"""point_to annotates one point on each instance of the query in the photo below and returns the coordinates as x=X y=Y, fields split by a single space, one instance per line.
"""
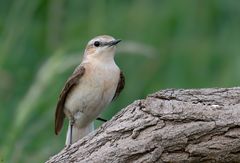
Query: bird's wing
x=121 y=83
x=71 y=82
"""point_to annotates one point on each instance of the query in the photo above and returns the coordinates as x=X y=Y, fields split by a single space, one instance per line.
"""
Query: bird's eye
x=97 y=43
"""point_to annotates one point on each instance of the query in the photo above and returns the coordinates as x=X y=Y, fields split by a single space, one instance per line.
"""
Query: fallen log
x=173 y=125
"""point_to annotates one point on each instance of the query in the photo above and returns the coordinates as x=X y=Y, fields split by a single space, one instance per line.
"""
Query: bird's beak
x=114 y=42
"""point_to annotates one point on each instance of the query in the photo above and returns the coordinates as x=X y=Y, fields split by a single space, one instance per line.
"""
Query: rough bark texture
x=168 y=126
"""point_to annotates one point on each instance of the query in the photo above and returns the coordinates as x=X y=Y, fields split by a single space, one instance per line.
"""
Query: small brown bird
x=91 y=87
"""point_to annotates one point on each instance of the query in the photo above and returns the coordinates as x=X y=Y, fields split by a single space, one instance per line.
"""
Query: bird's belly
x=87 y=101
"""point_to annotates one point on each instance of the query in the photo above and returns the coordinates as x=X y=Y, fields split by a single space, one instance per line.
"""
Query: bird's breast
x=94 y=91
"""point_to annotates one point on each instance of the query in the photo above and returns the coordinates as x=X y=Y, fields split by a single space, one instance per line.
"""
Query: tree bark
x=195 y=125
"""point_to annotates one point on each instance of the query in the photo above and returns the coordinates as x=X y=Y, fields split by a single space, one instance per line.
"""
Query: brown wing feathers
x=71 y=82
x=120 y=86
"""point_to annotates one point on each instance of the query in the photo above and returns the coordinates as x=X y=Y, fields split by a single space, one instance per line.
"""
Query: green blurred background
x=166 y=44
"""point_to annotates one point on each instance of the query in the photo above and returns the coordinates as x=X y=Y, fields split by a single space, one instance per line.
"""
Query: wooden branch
x=168 y=126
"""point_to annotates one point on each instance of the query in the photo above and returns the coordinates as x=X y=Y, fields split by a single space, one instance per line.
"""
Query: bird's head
x=101 y=47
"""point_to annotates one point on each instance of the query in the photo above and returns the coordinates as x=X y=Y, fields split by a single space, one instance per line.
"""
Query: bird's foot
x=101 y=119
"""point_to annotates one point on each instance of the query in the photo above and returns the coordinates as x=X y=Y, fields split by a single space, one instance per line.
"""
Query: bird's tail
x=78 y=133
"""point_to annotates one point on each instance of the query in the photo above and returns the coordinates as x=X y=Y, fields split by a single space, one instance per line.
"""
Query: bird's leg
x=101 y=119
x=71 y=129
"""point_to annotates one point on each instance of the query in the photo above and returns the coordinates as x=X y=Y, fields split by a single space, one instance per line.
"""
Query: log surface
x=174 y=125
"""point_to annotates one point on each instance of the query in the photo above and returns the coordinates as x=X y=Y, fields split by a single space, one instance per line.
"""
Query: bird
x=93 y=85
